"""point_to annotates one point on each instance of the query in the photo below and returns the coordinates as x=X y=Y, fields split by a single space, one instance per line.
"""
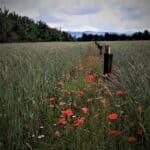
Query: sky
x=86 y=15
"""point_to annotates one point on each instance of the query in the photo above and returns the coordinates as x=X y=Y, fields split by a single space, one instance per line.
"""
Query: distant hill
x=79 y=34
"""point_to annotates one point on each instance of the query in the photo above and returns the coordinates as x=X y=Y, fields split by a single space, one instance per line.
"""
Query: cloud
x=96 y=15
x=83 y=11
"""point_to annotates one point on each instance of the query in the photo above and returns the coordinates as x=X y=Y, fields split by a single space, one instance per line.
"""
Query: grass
x=39 y=82
x=26 y=73
x=133 y=62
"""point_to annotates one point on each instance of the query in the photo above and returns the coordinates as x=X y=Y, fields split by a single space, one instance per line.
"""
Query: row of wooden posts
x=108 y=57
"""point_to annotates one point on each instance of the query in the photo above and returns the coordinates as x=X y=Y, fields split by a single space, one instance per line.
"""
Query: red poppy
x=57 y=133
x=80 y=93
x=60 y=98
x=131 y=139
x=91 y=77
x=97 y=91
x=51 y=106
x=115 y=132
x=106 y=92
x=114 y=81
x=67 y=112
x=62 y=121
x=80 y=67
x=113 y=116
x=105 y=102
x=62 y=103
x=89 y=99
x=78 y=122
x=100 y=81
x=119 y=93
x=52 y=98
x=140 y=131
x=139 y=109
x=84 y=110
x=60 y=83
x=67 y=75
x=87 y=69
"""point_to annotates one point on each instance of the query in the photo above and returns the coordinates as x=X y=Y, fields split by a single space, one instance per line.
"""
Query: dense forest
x=15 y=28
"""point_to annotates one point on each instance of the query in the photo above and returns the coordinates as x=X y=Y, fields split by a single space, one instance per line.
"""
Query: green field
x=32 y=101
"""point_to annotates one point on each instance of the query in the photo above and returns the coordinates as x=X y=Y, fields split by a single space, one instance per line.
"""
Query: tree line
x=145 y=35
x=15 y=28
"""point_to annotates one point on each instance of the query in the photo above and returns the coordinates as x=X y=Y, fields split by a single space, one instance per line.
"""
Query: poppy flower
x=139 y=109
x=67 y=112
x=140 y=131
x=62 y=121
x=97 y=91
x=131 y=139
x=60 y=98
x=84 y=110
x=78 y=122
x=67 y=75
x=106 y=92
x=80 y=93
x=114 y=81
x=100 y=81
x=113 y=116
x=57 y=133
x=115 y=132
x=105 y=102
x=51 y=106
x=87 y=69
x=60 y=83
x=91 y=77
x=89 y=99
x=119 y=93
x=62 y=103
x=80 y=67
x=52 y=98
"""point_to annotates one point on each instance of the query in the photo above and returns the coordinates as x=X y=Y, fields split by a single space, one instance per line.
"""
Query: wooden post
x=108 y=56
x=100 y=49
x=96 y=43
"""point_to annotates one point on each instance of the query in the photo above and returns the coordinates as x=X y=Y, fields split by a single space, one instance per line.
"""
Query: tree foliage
x=116 y=37
x=15 y=28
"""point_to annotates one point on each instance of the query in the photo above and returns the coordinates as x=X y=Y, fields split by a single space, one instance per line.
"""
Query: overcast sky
x=86 y=15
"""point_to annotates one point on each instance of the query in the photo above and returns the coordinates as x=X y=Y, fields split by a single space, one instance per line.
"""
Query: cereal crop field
x=55 y=96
